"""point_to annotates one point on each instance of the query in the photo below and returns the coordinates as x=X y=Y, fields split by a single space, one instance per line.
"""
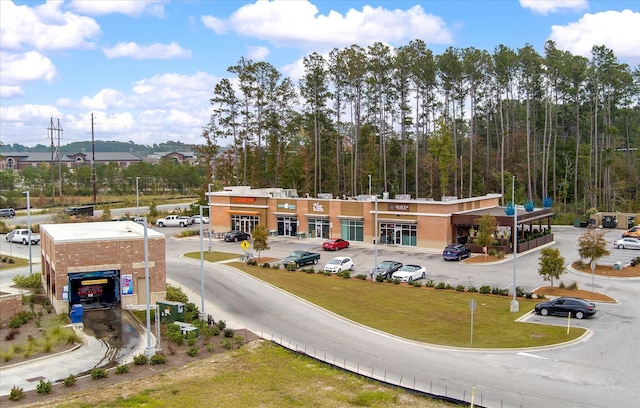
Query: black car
x=386 y=268
x=456 y=252
x=564 y=306
x=235 y=236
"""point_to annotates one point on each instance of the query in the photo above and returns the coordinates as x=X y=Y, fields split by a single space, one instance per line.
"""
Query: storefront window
x=319 y=227
x=398 y=234
x=245 y=223
x=352 y=230
x=287 y=226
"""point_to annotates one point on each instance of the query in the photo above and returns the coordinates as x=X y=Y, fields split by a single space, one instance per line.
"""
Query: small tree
x=260 y=236
x=592 y=245
x=486 y=227
x=551 y=264
x=176 y=294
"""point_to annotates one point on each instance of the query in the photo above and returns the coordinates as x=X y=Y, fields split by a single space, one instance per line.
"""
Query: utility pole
x=59 y=159
x=53 y=174
x=93 y=162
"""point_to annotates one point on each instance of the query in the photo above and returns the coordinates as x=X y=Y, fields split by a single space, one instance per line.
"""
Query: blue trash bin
x=76 y=313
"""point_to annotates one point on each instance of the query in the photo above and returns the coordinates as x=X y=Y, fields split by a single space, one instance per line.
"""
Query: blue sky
x=146 y=69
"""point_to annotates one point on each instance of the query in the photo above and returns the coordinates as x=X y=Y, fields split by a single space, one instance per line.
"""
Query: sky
x=146 y=69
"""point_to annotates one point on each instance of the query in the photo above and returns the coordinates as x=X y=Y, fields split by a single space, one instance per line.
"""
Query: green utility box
x=170 y=311
x=187 y=328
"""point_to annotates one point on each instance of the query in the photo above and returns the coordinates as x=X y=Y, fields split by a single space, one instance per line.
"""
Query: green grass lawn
x=416 y=313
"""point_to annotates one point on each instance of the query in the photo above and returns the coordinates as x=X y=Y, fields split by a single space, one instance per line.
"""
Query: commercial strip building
x=101 y=264
x=400 y=220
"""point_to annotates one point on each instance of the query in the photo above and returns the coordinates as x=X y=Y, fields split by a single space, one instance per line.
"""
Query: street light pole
x=201 y=266
x=377 y=238
x=148 y=351
x=137 y=204
x=514 y=303
x=29 y=229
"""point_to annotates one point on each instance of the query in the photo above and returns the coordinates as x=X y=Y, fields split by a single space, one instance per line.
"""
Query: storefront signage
x=243 y=200
x=317 y=207
x=398 y=207
x=287 y=206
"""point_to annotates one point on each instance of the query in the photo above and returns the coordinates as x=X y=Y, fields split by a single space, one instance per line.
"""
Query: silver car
x=627 y=243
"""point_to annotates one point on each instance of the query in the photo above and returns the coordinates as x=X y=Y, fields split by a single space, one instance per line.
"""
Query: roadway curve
x=599 y=371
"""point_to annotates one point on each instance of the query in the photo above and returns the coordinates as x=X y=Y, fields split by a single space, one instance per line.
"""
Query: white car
x=627 y=243
x=410 y=272
x=196 y=219
x=339 y=264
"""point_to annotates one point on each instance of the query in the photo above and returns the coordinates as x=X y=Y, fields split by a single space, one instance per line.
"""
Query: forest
x=406 y=121
x=461 y=123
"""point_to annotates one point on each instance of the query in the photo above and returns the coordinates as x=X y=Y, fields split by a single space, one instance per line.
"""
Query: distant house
x=179 y=157
x=22 y=160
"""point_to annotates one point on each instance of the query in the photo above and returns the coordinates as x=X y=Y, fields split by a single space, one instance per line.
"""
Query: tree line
x=408 y=121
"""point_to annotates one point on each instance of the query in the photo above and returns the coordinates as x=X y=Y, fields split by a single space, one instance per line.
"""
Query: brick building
x=101 y=264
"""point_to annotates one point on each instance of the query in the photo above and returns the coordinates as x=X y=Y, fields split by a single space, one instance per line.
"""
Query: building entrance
x=288 y=226
x=94 y=290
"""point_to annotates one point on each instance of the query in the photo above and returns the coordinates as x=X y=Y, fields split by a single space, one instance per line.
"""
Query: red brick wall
x=9 y=306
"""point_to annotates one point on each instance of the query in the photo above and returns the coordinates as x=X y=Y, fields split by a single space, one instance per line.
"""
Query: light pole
x=209 y=207
x=29 y=229
x=377 y=238
x=137 y=203
x=369 y=175
x=514 y=303
x=202 y=266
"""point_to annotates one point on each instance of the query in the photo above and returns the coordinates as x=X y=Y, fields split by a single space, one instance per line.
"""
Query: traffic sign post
x=472 y=307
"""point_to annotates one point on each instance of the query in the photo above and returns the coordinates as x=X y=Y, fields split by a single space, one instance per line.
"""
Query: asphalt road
x=602 y=370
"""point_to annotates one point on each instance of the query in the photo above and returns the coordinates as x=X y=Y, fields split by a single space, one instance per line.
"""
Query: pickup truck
x=174 y=221
x=21 y=236
x=299 y=258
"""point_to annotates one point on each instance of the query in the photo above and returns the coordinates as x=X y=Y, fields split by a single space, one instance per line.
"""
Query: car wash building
x=101 y=264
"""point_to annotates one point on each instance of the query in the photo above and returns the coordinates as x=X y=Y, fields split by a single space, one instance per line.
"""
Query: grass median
x=422 y=314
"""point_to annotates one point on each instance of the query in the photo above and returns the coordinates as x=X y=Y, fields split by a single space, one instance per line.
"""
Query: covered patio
x=533 y=229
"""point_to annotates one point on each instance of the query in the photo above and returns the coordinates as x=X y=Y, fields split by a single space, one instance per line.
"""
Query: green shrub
x=472 y=289
x=98 y=373
x=44 y=387
x=226 y=344
x=416 y=284
x=485 y=289
x=122 y=369
x=32 y=281
x=361 y=277
x=635 y=261
x=429 y=283
x=158 y=359
x=176 y=294
x=379 y=278
x=221 y=325
x=70 y=380
x=192 y=351
x=16 y=393
x=441 y=285
x=252 y=262
x=519 y=291
x=20 y=318
x=275 y=266
x=211 y=348
x=174 y=334
x=395 y=281
x=227 y=333
x=309 y=270
x=291 y=267
x=266 y=265
x=140 y=359
x=460 y=288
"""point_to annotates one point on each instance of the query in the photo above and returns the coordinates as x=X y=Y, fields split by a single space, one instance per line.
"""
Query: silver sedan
x=627 y=243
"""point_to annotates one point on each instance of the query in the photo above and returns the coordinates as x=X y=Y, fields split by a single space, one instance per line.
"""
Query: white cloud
x=297 y=23
x=45 y=27
x=545 y=7
x=105 y=99
x=257 y=53
x=9 y=92
x=617 y=30
x=153 y=51
x=30 y=66
x=131 y=8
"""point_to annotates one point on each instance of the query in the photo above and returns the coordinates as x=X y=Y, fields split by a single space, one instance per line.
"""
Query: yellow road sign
x=244 y=245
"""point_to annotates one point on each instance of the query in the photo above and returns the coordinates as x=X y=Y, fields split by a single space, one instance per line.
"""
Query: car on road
x=456 y=252
x=339 y=264
x=235 y=236
x=7 y=213
x=563 y=306
x=195 y=219
x=409 y=273
x=386 y=268
x=335 y=244
x=23 y=236
x=627 y=243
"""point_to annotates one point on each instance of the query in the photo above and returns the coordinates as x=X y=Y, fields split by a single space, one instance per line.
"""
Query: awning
x=239 y=212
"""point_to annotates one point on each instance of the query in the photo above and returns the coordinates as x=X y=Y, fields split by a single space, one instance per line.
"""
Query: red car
x=335 y=244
